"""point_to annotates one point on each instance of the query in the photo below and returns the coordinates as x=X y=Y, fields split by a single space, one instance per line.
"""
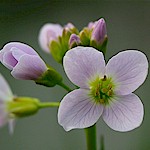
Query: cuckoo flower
x=105 y=90
x=5 y=96
x=23 y=60
x=48 y=33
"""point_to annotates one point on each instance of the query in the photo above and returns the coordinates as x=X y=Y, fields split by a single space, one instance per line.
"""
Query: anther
x=105 y=78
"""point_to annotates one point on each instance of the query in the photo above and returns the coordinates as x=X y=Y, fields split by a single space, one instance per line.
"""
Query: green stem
x=102 y=143
x=65 y=86
x=49 y=104
x=91 y=137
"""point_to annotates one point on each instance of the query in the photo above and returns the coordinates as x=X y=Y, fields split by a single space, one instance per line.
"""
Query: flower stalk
x=91 y=137
x=48 y=104
x=64 y=86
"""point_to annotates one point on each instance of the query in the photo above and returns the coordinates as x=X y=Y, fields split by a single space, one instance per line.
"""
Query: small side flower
x=25 y=64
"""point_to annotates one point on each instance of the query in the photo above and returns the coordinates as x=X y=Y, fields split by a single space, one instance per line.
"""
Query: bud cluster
x=58 y=39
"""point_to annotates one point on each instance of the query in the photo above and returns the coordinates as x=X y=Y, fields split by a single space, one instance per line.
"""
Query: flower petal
x=48 y=33
x=124 y=113
x=128 y=69
x=17 y=53
x=27 y=49
x=29 y=67
x=78 y=110
x=8 y=60
x=5 y=91
x=83 y=64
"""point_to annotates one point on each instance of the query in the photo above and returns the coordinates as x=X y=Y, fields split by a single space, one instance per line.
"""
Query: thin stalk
x=65 y=86
x=102 y=143
x=91 y=137
x=49 y=104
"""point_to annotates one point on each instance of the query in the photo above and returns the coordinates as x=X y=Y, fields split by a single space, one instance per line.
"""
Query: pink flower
x=105 y=90
x=48 y=33
x=22 y=60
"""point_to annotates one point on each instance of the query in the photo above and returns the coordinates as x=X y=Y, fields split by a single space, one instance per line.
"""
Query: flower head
x=23 y=60
x=5 y=96
x=48 y=33
x=105 y=90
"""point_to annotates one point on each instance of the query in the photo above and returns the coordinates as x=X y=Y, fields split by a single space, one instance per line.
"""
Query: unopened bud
x=74 y=40
x=99 y=31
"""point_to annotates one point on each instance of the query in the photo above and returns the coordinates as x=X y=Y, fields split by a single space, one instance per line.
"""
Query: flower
x=74 y=40
x=105 y=90
x=5 y=96
x=99 y=32
x=23 y=60
x=48 y=33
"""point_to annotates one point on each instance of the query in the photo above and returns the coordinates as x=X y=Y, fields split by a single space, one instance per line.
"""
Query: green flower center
x=102 y=89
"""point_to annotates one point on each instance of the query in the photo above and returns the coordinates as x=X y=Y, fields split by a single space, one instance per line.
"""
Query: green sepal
x=56 y=51
x=50 y=78
x=100 y=47
x=85 y=37
x=23 y=106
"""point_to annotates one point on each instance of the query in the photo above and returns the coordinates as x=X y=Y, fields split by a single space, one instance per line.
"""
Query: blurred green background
x=128 y=25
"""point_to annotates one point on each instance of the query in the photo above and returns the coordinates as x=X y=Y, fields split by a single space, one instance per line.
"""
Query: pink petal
x=23 y=47
x=8 y=60
x=29 y=67
x=82 y=64
x=78 y=110
x=48 y=33
x=17 y=53
x=128 y=69
x=124 y=113
x=5 y=91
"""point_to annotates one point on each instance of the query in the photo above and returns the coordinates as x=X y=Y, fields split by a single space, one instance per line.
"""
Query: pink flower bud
x=74 y=40
x=99 y=32
x=23 y=60
x=48 y=33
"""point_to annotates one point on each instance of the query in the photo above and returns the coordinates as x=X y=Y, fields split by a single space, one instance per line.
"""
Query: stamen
x=102 y=89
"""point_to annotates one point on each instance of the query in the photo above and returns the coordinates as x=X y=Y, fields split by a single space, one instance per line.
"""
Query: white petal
x=5 y=91
x=128 y=69
x=124 y=113
x=78 y=110
x=83 y=64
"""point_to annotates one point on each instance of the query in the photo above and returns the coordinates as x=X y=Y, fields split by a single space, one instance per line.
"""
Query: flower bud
x=74 y=41
x=23 y=61
x=99 y=32
x=98 y=38
x=23 y=106
x=69 y=27
x=59 y=48
x=85 y=37
x=48 y=33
